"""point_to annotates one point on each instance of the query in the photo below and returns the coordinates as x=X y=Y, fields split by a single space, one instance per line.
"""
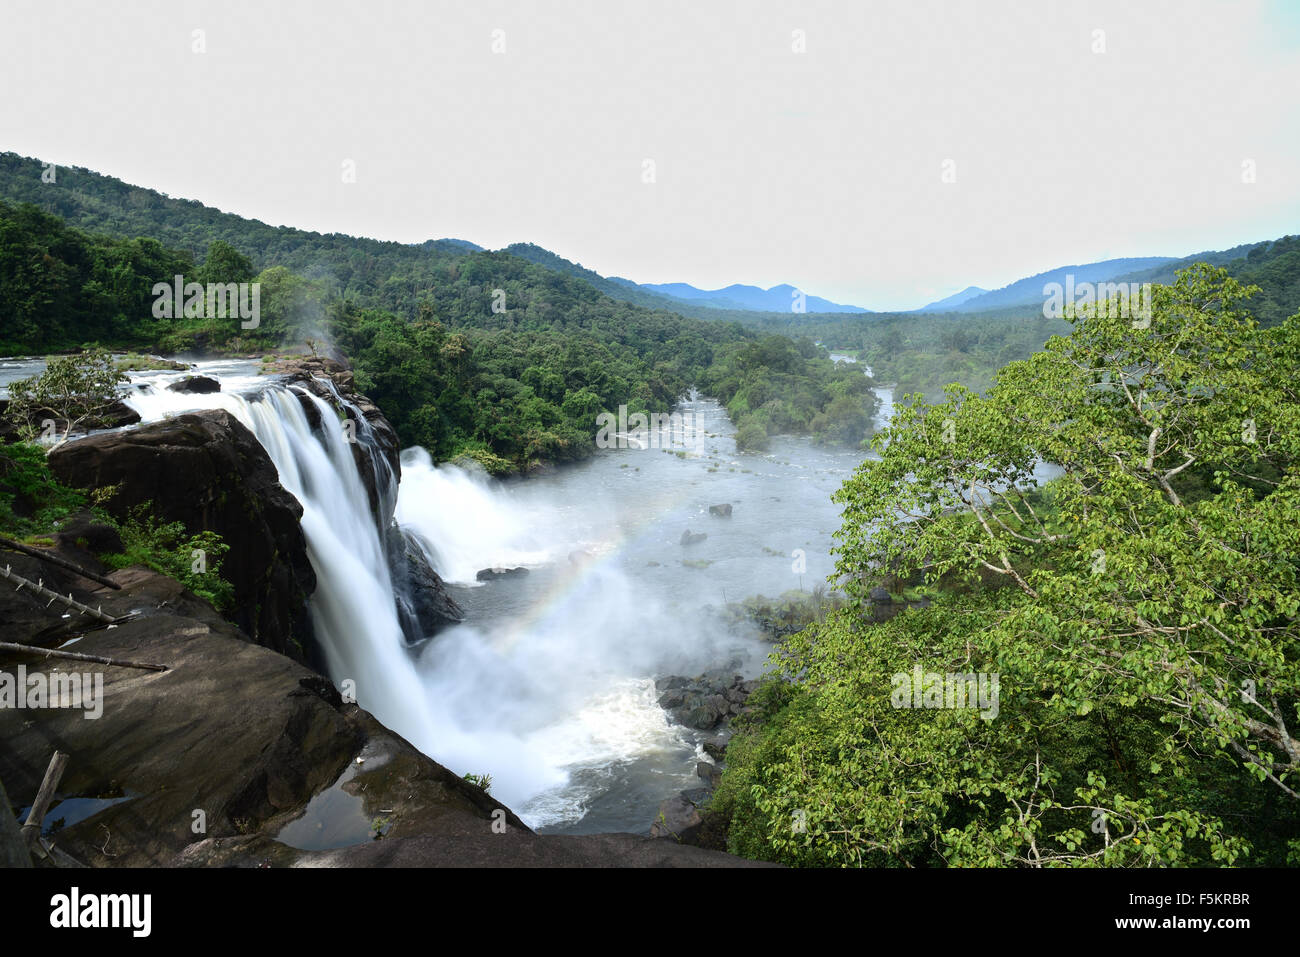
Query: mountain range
x=97 y=202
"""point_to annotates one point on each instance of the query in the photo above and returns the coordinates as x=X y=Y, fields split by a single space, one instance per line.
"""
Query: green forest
x=1137 y=610
x=1133 y=605
x=470 y=353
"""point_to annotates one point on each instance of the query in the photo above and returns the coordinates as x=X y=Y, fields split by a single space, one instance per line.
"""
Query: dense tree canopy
x=1139 y=612
x=474 y=353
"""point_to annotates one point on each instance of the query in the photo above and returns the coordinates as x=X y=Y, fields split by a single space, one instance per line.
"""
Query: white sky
x=820 y=169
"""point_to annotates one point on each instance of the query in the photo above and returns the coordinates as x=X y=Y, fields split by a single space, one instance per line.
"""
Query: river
x=548 y=687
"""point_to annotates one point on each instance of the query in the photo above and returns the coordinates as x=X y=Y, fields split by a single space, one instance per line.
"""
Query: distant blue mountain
x=1028 y=291
x=952 y=302
x=752 y=298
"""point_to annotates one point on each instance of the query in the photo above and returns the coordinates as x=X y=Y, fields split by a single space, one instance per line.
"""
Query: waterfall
x=464 y=523
x=552 y=700
x=352 y=611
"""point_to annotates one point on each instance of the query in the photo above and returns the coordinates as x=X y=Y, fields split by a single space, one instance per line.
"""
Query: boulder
x=196 y=384
x=672 y=699
x=698 y=796
x=490 y=574
x=207 y=471
x=701 y=717
x=715 y=747
x=881 y=596
x=693 y=538
x=83 y=532
x=710 y=774
x=678 y=819
x=669 y=682
x=718 y=703
x=423 y=605
x=720 y=511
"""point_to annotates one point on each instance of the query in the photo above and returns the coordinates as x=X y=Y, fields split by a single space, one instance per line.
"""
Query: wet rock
x=881 y=596
x=721 y=511
x=716 y=747
x=678 y=819
x=693 y=538
x=208 y=472
x=704 y=701
x=671 y=699
x=491 y=574
x=424 y=605
x=710 y=774
x=718 y=703
x=196 y=384
x=698 y=796
x=702 y=718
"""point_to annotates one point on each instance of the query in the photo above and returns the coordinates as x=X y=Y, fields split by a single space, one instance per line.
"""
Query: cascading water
x=353 y=614
x=547 y=687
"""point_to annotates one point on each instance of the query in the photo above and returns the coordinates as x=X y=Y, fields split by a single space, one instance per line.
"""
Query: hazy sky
x=821 y=168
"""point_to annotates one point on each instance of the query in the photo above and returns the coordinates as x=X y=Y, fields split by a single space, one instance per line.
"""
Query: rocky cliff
x=207 y=471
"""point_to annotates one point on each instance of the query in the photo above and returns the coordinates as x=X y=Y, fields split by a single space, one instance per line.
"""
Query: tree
x=225 y=263
x=77 y=391
x=1139 y=611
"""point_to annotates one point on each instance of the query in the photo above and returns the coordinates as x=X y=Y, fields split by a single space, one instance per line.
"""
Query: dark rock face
x=423 y=604
x=721 y=511
x=678 y=819
x=704 y=701
x=197 y=384
x=248 y=737
x=207 y=471
x=82 y=532
x=491 y=574
x=710 y=774
x=715 y=747
x=693 y=538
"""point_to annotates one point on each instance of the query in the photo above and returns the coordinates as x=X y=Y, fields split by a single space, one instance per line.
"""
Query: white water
x=547 y=687
x=352 y=610
x=464 y=523
x=527 y=702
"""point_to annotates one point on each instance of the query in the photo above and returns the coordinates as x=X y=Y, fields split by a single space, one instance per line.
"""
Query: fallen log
x=32 y=827
x=39 y=588
x=45 y=555
x=77 y=656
